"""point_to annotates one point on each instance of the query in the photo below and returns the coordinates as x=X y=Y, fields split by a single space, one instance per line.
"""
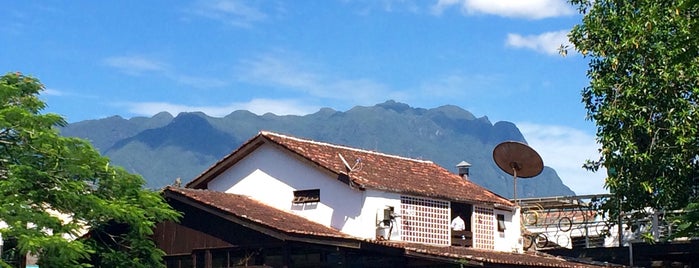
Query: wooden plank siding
x=174 y=239
x=200 y=230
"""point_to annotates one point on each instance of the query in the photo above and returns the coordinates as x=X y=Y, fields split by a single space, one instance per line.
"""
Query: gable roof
x=253 y=214
x=287 y=226
x=252 y=210
x=365 y=170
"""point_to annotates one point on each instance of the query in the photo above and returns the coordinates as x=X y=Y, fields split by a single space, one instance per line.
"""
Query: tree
x=53 y=189
x=643 y=96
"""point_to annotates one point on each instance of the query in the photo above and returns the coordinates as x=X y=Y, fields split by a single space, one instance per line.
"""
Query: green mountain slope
x=163 y=148
x=103 y=133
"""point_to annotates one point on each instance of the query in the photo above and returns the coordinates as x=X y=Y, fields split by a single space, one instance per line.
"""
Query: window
x=483 y=228
x=306 y=196
x=590 y=242
x=501 y=223
x=424 y=220
x=464 y=211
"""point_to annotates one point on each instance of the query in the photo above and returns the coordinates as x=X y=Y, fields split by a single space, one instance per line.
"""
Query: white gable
x=271 y=176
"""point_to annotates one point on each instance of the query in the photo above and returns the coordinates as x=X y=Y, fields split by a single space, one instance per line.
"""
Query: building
x=573 y=226
x=283 y=201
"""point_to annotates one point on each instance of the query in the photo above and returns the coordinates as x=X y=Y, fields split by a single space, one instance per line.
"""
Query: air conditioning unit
x=384 y=222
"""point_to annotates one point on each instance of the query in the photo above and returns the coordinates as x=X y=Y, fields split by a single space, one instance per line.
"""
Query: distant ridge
x=162 y=148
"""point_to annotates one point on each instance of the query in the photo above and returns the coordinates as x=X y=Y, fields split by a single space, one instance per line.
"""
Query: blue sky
x=495 y=58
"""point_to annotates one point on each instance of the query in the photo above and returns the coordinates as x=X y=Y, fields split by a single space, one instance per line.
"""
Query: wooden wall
x=201 y=230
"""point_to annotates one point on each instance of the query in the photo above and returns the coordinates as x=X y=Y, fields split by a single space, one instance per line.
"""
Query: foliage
x=643 y=96
x=53 y=188
x=687 y=221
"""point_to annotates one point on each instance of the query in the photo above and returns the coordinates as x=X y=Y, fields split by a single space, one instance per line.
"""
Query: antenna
x=517 y=159
x=345 y=162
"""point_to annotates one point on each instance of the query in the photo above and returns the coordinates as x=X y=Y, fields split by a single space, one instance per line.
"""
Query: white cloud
x=278 y=107
x=442 y=5
x=198 y=81
x=234 y=12
x=547 y=43
x=53 y=92
x=297 y=75
x=528 y=9
x=257 y=106
x=565 y=149
x=140 y=65
x=368 y=6
x=135 y=65
x=457 y=85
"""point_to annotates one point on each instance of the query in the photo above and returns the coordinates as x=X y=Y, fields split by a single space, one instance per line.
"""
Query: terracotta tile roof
x=370 y=169
x=529 y=259
x=246 y=208
x=389 y=172
x=243 y=207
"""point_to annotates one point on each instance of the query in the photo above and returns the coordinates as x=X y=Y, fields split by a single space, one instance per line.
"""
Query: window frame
x=501 y=222
x=306 y=196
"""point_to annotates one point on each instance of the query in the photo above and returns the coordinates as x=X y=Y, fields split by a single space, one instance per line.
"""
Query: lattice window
x=424 y=220
x=483 y=228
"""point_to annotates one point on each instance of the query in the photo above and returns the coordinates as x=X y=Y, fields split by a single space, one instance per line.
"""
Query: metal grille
x=483 y=228
x=424 y=220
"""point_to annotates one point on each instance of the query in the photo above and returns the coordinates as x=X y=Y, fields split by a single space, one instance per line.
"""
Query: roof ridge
x=345 y=147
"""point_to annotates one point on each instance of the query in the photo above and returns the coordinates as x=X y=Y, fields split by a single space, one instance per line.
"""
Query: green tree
x=643 y=95
x=53 y=189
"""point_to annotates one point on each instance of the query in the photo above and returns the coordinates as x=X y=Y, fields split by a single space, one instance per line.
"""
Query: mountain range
x=162 y=148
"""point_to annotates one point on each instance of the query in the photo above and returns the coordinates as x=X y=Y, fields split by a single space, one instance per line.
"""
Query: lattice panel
x=424 y=220
x=483 y=228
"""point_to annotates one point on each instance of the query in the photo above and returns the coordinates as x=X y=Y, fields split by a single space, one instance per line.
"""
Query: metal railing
x=574 y=222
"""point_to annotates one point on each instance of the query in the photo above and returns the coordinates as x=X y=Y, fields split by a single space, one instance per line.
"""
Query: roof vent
x=463 y=169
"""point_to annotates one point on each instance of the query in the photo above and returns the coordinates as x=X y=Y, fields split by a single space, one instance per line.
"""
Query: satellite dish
x=518 y=160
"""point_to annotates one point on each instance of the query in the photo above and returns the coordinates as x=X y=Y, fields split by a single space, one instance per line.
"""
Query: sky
x=494 y=58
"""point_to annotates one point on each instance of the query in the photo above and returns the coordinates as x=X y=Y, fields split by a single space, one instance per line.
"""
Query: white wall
x=559 y=233
x=509 y=240
x=271 y=175
x=374 y=204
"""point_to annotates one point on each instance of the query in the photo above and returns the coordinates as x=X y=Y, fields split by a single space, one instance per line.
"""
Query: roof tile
x=244 y=207
x=250 y=209
x=392 y=173
x=529 y=259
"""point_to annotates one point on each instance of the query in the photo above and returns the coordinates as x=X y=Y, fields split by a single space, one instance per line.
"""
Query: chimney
x=463 y=169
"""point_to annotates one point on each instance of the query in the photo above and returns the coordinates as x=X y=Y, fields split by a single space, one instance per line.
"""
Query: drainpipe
x=630 y=254
x=620 y=228
x=655 y=229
